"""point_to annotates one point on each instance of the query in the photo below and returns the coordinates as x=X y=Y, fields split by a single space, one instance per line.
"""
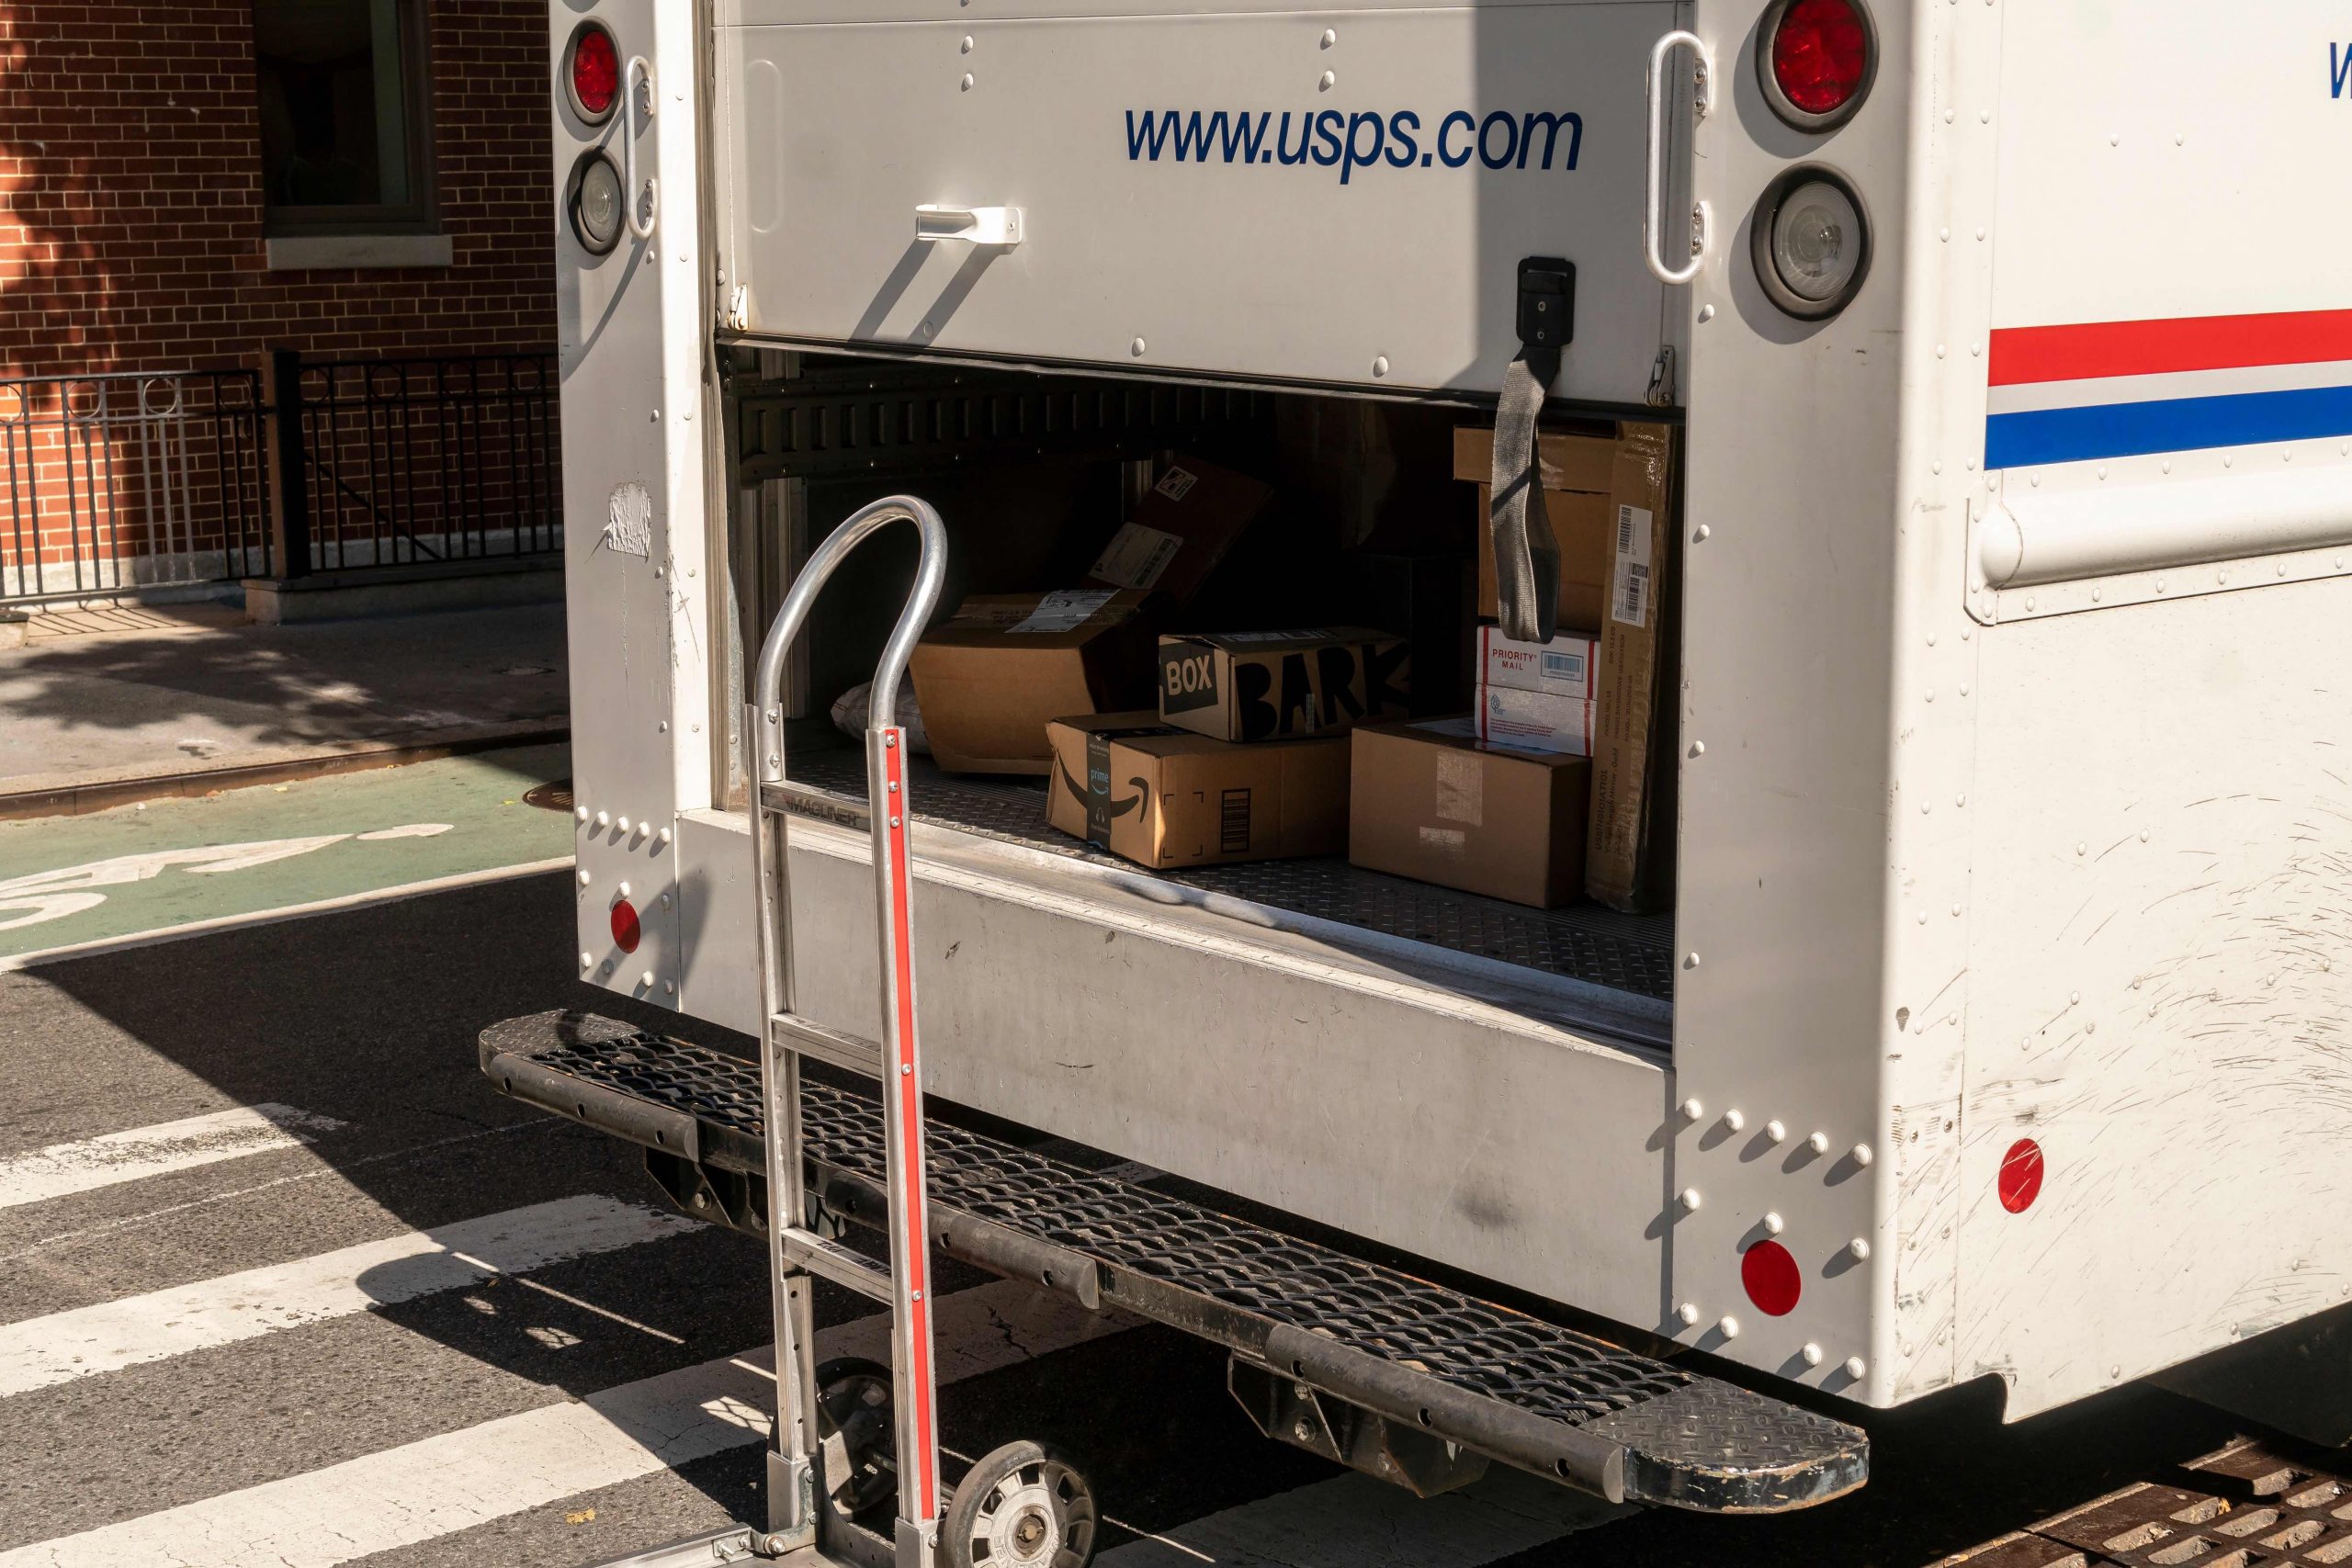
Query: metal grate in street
x=2245 y=1506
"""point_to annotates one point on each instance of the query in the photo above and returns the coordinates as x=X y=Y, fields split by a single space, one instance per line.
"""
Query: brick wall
x=131 y=240
x=130 y=195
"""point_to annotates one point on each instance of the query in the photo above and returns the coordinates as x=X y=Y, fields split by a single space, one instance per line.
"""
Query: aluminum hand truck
x=1029 y=1517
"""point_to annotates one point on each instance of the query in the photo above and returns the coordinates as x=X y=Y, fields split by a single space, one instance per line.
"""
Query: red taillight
x=595 y=71
x=1821 y=55
x=1772 y=1276
x=2021 y=1179
x=626 y=933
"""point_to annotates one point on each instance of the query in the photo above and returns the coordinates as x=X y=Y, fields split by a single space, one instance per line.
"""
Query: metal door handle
x=638 y=68
x=979 y=225
x=1654 y=163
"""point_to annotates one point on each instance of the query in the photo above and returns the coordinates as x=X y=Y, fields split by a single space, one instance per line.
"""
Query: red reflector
x=626 y=931
x=1821 y=51
x=595 y=71
x=1772 y=1278
x=2021 y=1176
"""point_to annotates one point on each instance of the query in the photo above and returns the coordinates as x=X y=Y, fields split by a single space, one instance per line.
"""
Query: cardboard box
x=1629 y=855
x=1577 y=473
x=1182 y=528
x=1561 y=668
x=1431 y=801
x=1537 y=721
x=1265 y=685
x=989 y=677
x=1164 y=796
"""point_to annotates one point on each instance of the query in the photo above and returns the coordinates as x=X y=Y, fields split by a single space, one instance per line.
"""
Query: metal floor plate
x=1686 y=1439
x=1582 y=942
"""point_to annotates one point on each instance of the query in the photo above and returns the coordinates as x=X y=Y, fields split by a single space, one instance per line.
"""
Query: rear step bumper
x=1509 y=1385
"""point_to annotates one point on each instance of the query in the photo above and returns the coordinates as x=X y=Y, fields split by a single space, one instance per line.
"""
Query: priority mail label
x=1564 y=667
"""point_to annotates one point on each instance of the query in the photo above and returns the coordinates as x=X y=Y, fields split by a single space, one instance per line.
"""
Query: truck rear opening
x=1366 y=526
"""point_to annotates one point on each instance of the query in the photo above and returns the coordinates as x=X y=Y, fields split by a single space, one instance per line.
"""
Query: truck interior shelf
x=1580 y=941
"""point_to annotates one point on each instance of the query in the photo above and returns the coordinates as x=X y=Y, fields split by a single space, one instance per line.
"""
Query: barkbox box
x=1255 y=686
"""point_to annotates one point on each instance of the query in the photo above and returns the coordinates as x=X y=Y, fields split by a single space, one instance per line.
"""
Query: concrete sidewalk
x=103 y=717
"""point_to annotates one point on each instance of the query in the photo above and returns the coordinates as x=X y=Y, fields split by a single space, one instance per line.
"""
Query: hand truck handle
x=931 y=570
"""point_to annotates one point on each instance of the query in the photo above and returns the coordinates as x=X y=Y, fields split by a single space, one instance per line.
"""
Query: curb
x=80 y=798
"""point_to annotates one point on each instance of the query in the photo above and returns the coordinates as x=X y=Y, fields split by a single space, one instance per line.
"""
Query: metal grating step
x=1501 y=1382
x=1582 y=941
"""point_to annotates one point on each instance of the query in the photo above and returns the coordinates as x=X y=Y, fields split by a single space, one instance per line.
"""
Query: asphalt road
x=223 y=1344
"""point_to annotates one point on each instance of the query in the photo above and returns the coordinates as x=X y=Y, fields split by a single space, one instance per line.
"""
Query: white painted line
x=42 y=1351
x=290 y=912
x=62 y=1169
x=453 y=1482
x=1354 y=1521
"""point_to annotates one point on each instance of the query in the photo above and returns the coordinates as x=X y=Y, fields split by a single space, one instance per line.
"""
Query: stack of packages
x=1245 y=757
x=1558 y=783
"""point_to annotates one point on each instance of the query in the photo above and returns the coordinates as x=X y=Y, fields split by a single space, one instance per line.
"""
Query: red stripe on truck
x=2024 y=355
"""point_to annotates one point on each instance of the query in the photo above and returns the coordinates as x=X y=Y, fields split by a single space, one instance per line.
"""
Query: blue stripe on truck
x=2174 y=424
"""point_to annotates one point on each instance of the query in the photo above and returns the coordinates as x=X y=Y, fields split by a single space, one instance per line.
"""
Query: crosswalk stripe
x=62 y=1169
x=416 y=1493
x=41 y=1351
x=1354 y=1521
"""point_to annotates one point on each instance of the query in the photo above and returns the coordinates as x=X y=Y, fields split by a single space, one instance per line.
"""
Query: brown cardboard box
x=1429 y=800
x=1577 y=473
x=1182 y=529
x=989 y=677
x=1629 y=859
x=1260 y=685
x=1163 y=797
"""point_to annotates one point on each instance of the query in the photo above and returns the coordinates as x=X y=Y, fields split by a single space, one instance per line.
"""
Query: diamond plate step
x=1529 y=1393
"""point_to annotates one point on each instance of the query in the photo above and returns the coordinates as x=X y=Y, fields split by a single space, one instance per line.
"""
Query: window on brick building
x=345 y=143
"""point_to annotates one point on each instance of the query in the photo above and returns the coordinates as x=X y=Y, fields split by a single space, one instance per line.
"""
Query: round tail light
x=595 y=200
x=627 y=932
x=1812 y=243
x=1816 y=58
x=593 y=73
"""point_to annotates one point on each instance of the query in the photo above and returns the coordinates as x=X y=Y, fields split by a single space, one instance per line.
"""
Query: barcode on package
x=1233 y=822
x=1630 y=601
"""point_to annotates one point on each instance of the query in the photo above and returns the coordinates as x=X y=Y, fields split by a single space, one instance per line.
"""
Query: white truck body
x=2013 y=772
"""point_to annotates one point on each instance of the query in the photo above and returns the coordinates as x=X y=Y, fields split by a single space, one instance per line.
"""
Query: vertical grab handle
x=639 y=70
x=1654 y=189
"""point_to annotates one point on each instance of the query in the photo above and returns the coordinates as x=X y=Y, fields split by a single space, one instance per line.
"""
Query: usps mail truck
x=1983 y=1020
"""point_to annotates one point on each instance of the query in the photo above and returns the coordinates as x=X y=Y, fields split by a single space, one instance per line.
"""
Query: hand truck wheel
x=1025 y=1505
x=859 y=1438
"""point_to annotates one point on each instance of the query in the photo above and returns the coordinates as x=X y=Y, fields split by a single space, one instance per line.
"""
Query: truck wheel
x=859 y=1438
x=1025 y=1505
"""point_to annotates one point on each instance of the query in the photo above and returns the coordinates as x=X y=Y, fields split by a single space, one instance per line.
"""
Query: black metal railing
x=116 y=482
x=398 y=462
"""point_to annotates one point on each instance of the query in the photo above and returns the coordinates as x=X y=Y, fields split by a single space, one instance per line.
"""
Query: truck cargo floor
x=1441 y=1364
x=1634 y=953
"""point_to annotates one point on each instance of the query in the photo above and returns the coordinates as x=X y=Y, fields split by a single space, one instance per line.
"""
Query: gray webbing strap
x=1527 y=555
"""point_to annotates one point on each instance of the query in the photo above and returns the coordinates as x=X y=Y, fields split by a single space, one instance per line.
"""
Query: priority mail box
x=989 y=677
x=1253 y=686
x=1432 y=801
x=1164 y=796
x=1182 y=528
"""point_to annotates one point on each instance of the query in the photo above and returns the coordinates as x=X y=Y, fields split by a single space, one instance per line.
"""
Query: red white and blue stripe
x=2071 y=394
